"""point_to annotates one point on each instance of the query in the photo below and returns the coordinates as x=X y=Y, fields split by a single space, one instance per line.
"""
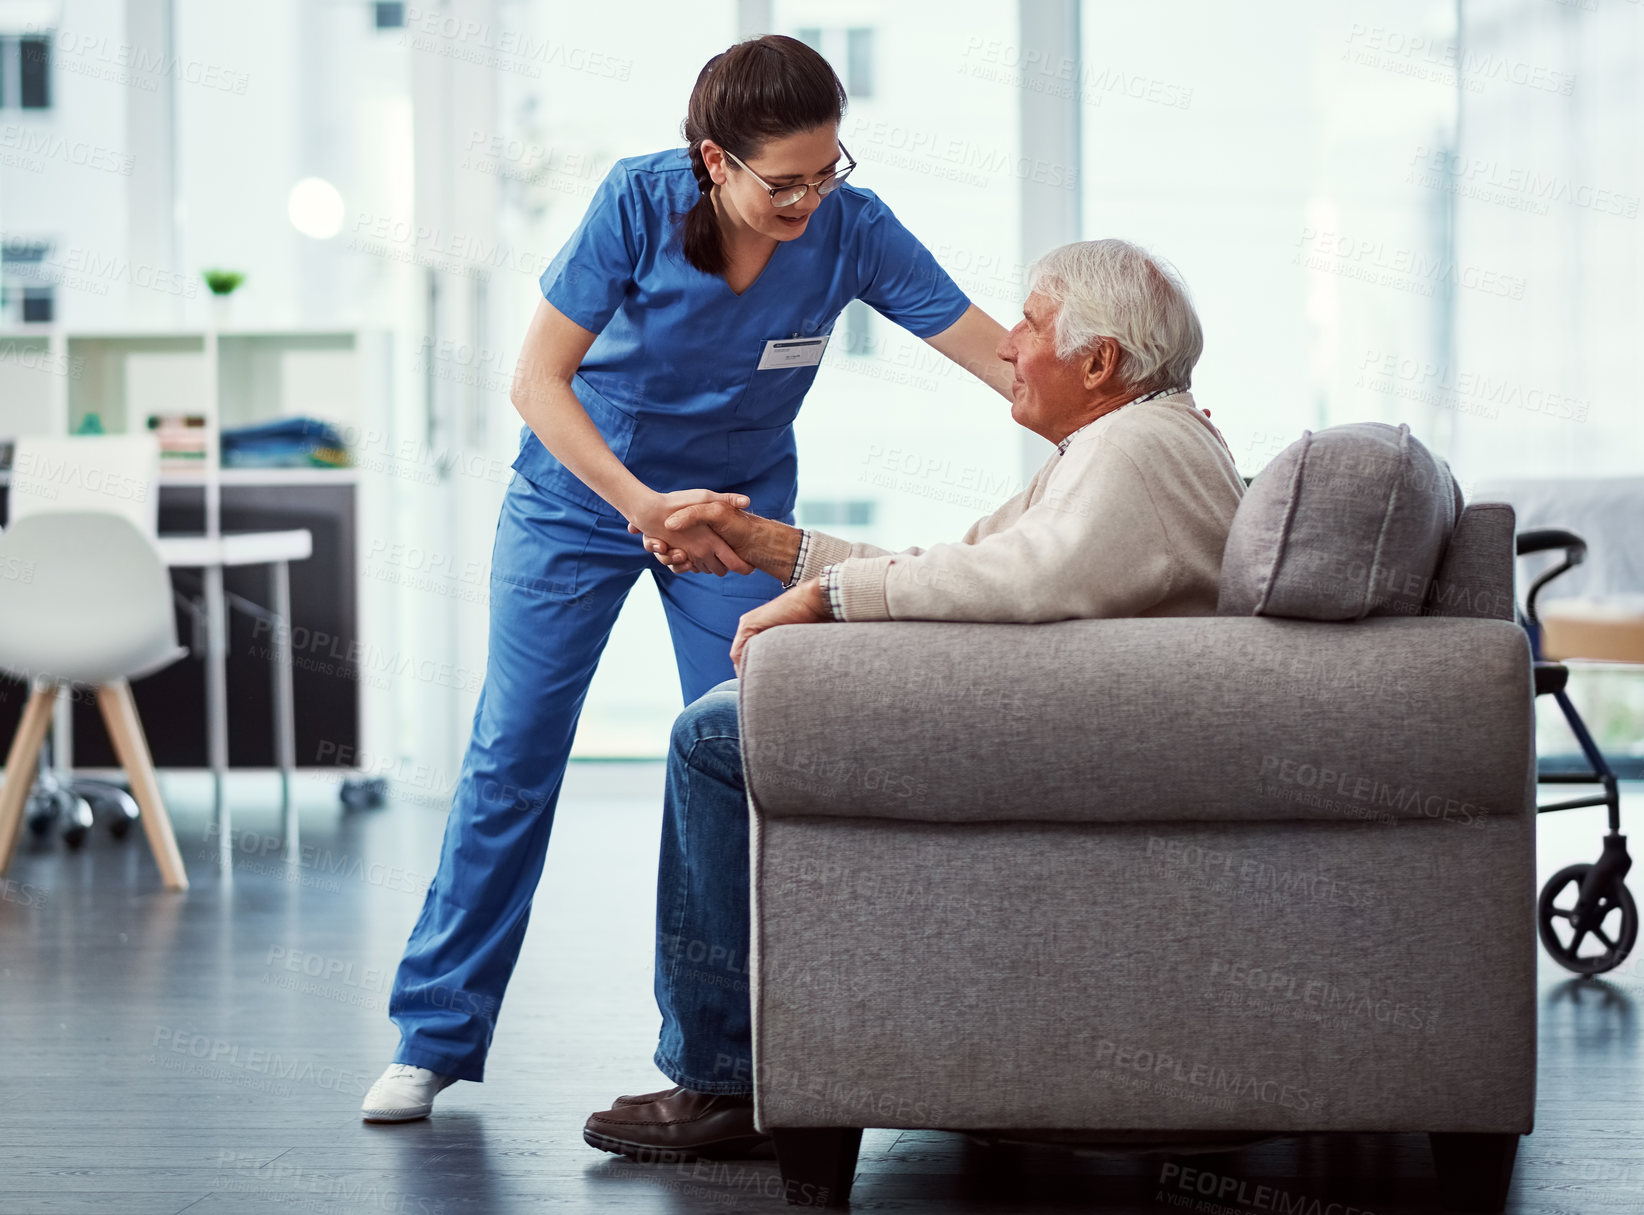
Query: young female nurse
x=679 y=331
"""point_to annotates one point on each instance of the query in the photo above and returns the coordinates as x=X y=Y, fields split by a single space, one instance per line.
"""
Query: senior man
x=1128 y=517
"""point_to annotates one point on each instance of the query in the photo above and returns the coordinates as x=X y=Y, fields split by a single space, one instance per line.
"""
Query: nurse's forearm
x=973 y=342
x=553 y=412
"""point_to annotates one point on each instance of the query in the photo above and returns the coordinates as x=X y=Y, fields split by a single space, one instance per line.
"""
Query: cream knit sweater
x=1129 y=521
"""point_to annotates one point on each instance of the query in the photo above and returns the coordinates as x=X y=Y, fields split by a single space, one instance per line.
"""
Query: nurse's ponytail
x=758 y=90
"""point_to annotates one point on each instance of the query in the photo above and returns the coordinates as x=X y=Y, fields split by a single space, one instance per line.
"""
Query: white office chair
x=85 y=599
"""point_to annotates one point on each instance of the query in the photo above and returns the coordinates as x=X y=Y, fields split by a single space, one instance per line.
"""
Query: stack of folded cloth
x=182 y=436
x=286 y=443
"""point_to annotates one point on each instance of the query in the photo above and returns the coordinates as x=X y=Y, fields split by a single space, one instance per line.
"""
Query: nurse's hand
x=734 y=526
x=802 y=604
x=702 y=547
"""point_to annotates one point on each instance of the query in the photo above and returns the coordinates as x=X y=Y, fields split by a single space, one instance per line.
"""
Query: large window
x=1546 y=186
x=25 y=72
x=849 y=50
x=1271 y=160
x=27 y=290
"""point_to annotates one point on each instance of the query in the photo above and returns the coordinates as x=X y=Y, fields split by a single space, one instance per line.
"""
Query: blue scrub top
x=670 y=380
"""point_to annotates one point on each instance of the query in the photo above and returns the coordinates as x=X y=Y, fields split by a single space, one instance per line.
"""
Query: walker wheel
x=1610 y=923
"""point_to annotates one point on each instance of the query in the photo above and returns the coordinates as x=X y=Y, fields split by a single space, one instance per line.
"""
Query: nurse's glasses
x=786 y=196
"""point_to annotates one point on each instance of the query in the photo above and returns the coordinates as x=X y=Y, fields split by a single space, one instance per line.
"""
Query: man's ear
x=1102 y=365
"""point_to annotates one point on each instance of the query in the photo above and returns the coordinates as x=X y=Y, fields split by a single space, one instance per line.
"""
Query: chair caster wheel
x=115 y=806
x=77 y=823
x=363 y=792
x=47 y=806
x=1606 y=917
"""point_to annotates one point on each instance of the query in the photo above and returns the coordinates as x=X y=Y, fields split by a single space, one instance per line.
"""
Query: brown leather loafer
x=645 y=1098
x=679 y=1126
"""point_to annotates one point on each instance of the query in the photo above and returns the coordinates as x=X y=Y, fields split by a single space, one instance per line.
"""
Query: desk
x=210 y=554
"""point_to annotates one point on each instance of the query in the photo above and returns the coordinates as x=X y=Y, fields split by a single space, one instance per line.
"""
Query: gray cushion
x=1347 y=523
x=1192 y=718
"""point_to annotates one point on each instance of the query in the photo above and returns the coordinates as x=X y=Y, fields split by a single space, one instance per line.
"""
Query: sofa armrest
x=1203 y=718
x=1475 y=578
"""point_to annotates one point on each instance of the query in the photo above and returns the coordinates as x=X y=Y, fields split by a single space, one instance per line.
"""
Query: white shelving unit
x=53 y=377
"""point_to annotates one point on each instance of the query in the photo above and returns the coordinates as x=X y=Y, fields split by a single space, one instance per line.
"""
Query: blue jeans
x=702 y=915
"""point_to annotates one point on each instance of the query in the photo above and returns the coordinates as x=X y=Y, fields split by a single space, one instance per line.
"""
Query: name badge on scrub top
x=783 y=353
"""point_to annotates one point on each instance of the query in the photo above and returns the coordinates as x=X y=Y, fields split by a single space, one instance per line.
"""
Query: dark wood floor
x=208 y=1052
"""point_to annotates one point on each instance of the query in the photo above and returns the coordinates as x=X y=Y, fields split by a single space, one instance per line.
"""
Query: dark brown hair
x=761 y=89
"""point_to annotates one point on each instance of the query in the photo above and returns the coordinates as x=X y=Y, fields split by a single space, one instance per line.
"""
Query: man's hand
x=762 y=543
x=698 y=547
x=802 y=604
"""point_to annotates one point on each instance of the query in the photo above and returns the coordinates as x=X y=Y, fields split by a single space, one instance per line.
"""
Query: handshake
x=698 y=531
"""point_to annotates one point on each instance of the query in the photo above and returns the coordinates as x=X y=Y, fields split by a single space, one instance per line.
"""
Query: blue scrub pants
x=559 y=575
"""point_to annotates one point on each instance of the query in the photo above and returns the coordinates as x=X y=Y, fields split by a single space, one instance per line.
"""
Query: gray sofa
x=1165 y=881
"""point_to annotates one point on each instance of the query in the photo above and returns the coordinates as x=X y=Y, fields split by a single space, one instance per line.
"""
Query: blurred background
x=217 y=216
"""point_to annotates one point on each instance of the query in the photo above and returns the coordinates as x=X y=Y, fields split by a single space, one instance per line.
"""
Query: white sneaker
x=403 y=1094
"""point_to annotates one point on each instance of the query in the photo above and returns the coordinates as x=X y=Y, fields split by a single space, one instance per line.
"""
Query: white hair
x=1113 y=289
